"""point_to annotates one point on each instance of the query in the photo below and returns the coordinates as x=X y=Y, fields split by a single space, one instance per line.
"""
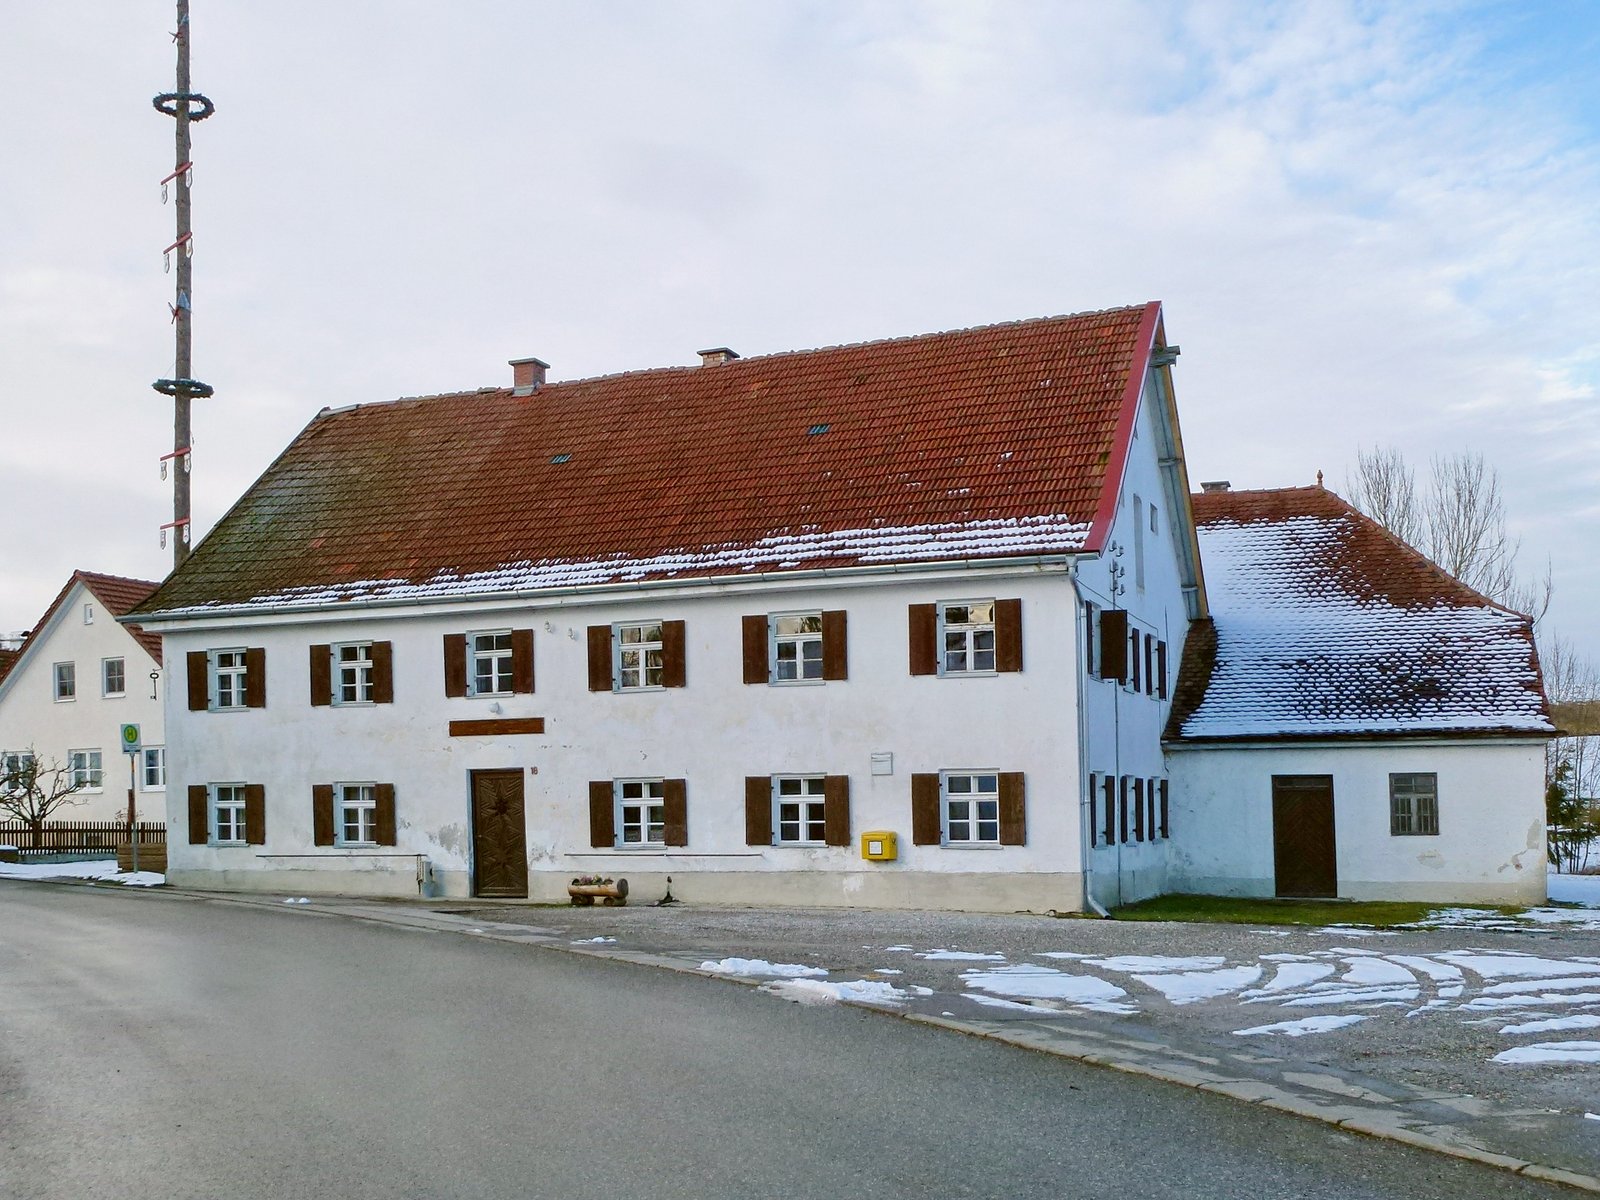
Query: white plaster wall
x=1490 y=845
x=1122 y=727
x=713 y=733
x=31 y=716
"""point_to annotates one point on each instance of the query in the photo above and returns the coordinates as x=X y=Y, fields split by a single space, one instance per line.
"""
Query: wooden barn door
x=1303 y=850
x=499 y=846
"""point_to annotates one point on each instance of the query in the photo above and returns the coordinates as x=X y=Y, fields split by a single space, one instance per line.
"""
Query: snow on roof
x=1323 y=625
x=986 y=443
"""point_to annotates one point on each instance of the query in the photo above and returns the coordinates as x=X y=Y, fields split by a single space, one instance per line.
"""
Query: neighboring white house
x=1352 y=721
x=889 y=624
x=78 y=677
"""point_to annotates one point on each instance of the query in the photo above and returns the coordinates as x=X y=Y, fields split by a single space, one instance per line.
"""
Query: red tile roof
x=8 y=659
x=988 y=442
x=1325 y=625
x=117 y=595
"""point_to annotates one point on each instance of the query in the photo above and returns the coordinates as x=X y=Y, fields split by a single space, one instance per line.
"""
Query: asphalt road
x=161 y=1046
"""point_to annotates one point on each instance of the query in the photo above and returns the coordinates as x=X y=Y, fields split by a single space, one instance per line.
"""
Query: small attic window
x=816 y=429
x=557 y=459
x=88 y=614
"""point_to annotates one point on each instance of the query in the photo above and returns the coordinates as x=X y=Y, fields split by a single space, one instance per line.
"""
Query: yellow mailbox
x=878 y=845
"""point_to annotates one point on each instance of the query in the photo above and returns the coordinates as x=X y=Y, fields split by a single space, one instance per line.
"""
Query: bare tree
x=1572 y=764
x=32 y=792
x=1384 y=487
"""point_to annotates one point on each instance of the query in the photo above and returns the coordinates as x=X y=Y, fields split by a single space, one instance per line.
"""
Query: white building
x=1352 y=721
x=715 y=623
x=78 y=677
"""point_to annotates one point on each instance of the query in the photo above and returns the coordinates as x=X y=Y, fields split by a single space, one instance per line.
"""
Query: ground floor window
x=83 y=767
x=799 y=809
x=1414 y=803
x=358 y=814
x=641 y=812
x=972 y=808
x=153 y=768
x=227 y=814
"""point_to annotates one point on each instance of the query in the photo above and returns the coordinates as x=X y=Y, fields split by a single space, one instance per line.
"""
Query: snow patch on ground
x=101 y=870
x=1551 y=1052
x=1303 y=1026
x=593 y=941
x=959 y=956
x=1554 y=1023
x=815 y=991
x=1046 y=983
x=760 y=968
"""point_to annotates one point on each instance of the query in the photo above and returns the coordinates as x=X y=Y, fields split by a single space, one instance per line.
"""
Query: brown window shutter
x=383 y=672
x=835 y=645
x=199 y=814
x=1150 y=807
x=758 y=808
x=322 y=832
x=455 y=664
x=602 y=810
x=255 y=814
x=1165 y=827
x=755 y=652
x=522 y=662
x=673 y=653
x=675 y=797
x=1008 y=635
x=199 y=673
x=321 y=676
x=383 y=814
x=1149 y=664
x=925 y=825
x=1013 y=809
x=1109 y=788
x=1133 y=659
x=1094 y=810
x=924 y=620
x=1138 y=810
x=255 y=677
x=1088 y=637
x=1122 y=807
x=1114 y=644
x=1161 y=670
x=600 y=679
x=836 y=810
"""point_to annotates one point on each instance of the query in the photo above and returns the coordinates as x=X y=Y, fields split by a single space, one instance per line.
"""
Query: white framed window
x=966 y=638
x=352 y=667
x=490 y=655
x=796 y=647
x=66 y=681
x=641 y=812
x=16 y=771
x=639 y=654
x=1414 y=804
x=798 y=810
x=357 y=813
x=971 y=804
x=113 y=677
x=1138 y=543
x=228 y=672
x=153 y=768
x=88 y=614
x=227 y=814
x=1155 y=521
x=83 y=769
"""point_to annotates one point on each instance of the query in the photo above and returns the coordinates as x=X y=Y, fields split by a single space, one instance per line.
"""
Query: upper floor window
x=227 y=680
x=66 y=681
x=229 y=671
x=485 y=662
x=805 y=647
x=354 y=684
x=113 y=677
x=631 y=656
x=491 y=663
x=1414 y=803
x=83 y=769
x=966 y=637
x=88 y=614
x=355 y=673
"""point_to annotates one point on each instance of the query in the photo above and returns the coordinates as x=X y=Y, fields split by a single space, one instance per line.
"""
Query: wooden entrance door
x=1304 y=854
x=499 y=846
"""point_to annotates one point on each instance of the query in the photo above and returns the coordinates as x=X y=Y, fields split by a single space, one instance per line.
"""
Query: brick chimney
x=1216 y=485
x=527 y=375
x=716 y=356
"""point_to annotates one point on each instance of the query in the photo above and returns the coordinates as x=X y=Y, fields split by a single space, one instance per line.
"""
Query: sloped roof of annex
x=117 y=594
x=990 y=444
x=1324 y=625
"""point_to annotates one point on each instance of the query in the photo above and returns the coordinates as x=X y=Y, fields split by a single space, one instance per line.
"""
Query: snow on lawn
x=760 y=968
x=102 y=870
x=1303 y=1026
x=1552 y=1052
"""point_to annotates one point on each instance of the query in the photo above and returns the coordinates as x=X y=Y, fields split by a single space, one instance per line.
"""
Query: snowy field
x=101 y=870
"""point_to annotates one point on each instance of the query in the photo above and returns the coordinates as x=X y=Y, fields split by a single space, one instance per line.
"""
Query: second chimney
x=716 y=356
x=527 y=375
x=1216 y=485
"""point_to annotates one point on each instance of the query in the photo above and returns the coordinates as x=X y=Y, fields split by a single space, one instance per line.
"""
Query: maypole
x=185 y=107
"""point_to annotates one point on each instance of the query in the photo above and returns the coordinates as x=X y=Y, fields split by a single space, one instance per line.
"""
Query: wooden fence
x=79 y=837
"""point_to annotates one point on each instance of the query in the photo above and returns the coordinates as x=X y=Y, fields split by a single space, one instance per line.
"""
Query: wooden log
x=612 y=894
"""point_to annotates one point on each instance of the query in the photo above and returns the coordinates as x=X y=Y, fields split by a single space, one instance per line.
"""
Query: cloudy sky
x=1369 y=223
